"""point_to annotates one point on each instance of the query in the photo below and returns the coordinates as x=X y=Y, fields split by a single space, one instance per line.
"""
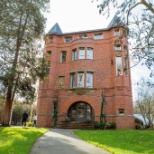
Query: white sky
x=78 y=15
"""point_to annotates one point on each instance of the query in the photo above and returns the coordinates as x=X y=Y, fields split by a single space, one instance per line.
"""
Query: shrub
x=30 y=124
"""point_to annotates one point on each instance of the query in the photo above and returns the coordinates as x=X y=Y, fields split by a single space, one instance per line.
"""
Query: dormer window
x=68 y=39
x=116 y=32
x=98 y=36
x=83 y=36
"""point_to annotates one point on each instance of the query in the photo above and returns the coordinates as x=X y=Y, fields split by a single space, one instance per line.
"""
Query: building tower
x=84 y=66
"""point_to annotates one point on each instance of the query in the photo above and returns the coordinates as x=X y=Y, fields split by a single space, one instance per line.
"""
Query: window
x=124 y=33
x=83 y=80
x=98 y=36
x=68 y=39
x=48 y=53
x=63 y=56
x=89 y=80
x=125 y=48
x=61 y=80
x=116 y=32
x=81 y=53
x=80 y=79
x=48 y=68
x=121 y=111
x=89 y=53
x=117 y=47
x=73 y=80
x=126 y=65
x=118 y=66
x=83 y=36
x=50 y=39
x=74 y=54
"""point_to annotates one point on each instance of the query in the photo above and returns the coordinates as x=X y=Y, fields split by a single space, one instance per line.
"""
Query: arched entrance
x=80 y=111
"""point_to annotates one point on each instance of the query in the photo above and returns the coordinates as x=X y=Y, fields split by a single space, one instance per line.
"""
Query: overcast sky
x=78 y=15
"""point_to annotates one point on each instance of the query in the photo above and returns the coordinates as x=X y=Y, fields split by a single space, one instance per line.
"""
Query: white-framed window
x=89 y=80
x=68 y=39
x=98 y=36
x=118 y=66
x=63 y=56
x=89 y=53
x=117 y=47
x=116 y=32
x=74 y=54
x=81 y=53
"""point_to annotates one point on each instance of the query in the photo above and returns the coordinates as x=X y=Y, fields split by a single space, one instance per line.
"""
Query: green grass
x=120 y=141
x=18 y=140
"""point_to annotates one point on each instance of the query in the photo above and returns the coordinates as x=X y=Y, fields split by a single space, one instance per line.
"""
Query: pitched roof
x=55 y=29
x=116 y=21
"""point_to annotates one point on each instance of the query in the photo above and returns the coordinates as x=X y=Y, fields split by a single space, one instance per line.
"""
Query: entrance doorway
x=81 y=112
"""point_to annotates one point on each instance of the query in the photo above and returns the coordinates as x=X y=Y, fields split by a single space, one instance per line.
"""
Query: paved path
x=63 y=141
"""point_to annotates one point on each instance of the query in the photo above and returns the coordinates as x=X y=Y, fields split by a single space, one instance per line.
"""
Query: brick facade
x=115 y=87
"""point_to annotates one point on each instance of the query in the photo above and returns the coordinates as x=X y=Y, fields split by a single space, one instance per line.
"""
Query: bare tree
x=145 y=103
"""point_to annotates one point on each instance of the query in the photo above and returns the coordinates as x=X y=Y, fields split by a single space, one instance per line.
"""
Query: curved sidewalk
x=63 y=141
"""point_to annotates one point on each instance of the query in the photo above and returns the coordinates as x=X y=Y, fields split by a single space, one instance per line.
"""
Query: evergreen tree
x=21 y=27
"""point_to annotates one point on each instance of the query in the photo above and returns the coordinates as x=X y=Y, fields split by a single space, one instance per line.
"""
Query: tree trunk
x=7 y=107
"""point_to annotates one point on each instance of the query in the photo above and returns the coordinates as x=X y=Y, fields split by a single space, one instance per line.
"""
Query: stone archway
x=81 y=112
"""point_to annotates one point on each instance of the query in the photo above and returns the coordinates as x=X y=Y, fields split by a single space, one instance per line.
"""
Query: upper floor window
x=125 y=48
x=89 y=80
x=61 y=80
x=74 y=54
x=81 y=53
x=118 y=66
x=126 y=65
x=48 y=68
x=124 y=33
x=116 y=32
x=89 y=53
x=117 y=47
x=50 y=39
x=63 y=56
x=82 y=80
x=48 y=53
x=73 y=80
x=83 y=36
x=98 y=36
x=68 y=39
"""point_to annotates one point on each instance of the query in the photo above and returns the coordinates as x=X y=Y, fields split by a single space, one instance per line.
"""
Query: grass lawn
x=20 y=140
x=120 y=141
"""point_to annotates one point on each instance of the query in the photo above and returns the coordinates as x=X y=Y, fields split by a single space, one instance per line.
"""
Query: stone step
x=76 y=125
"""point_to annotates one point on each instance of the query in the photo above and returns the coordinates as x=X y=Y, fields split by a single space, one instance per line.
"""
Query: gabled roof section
x=116 y=21
x=55 y=30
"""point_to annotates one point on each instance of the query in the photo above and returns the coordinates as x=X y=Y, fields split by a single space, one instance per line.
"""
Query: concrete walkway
x=63 y=141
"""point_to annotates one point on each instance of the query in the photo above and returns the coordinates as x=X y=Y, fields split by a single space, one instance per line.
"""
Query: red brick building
x=83 y=66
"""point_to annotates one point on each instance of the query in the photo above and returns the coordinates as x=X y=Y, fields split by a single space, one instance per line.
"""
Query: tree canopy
x=21 y=28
